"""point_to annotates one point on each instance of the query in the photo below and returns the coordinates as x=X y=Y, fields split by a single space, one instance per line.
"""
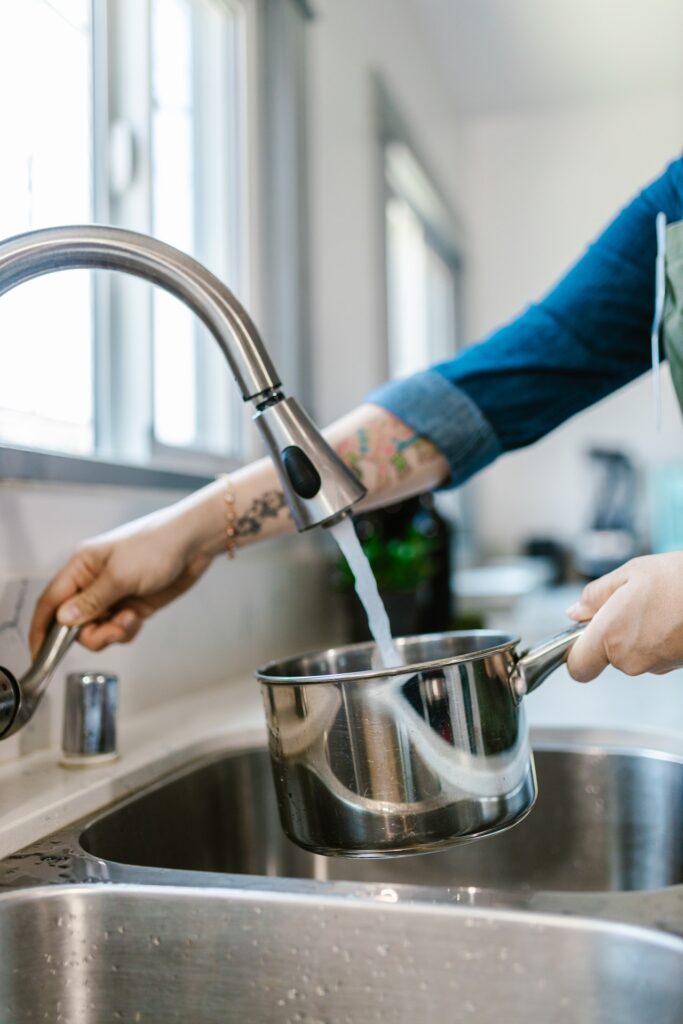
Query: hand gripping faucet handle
x=19 y=698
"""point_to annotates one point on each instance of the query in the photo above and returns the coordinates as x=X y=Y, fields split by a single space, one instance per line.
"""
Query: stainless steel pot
x=380 y=762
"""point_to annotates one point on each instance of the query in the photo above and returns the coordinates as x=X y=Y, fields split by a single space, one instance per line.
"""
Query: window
x=422 y=265
x=46 y=179
x=196 y=186
x=130 y=112
x=423 y=276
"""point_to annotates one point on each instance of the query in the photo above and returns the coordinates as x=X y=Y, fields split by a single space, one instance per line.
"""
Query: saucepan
x=380 y=762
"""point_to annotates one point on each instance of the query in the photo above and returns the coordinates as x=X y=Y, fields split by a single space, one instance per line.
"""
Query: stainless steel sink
x=197 y=909
x=604 y=821
x=104 y=954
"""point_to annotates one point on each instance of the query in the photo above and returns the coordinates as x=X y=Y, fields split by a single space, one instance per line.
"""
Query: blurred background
x=382 y=182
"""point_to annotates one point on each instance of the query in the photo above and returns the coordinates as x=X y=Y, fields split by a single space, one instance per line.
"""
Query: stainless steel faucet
x=317 y=485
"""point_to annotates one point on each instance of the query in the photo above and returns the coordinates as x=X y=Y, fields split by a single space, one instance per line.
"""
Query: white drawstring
x=660 y=291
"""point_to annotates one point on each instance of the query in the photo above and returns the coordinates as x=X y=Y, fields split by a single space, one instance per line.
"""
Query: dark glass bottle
x=436 y=612
x=417 y=596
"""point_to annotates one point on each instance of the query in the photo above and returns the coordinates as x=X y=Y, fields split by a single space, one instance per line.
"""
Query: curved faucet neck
x=97 y=247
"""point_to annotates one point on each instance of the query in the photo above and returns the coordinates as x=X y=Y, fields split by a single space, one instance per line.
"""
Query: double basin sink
x=186 y=902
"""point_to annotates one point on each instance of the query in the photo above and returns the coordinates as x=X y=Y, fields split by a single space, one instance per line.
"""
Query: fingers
x=588 y=656
x=126 y=623
x=591 y=653
x=80 y=593
x=86 y=593
x=121 y=628
x=60 y=589
x=92 y=602
x=595 y=594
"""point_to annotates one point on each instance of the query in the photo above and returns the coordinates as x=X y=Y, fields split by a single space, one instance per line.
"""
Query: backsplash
x=271 y=600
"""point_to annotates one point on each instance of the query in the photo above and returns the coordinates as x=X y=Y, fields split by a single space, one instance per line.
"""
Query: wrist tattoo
x=267 y=506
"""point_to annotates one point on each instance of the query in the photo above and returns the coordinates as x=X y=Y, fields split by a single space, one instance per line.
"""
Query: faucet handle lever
x=20 y=698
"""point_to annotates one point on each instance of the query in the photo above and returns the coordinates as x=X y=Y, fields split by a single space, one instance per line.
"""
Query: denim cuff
x=441 y=412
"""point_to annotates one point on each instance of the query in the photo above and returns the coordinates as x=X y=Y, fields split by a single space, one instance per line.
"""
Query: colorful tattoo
x=378 y=452
x=399 y=463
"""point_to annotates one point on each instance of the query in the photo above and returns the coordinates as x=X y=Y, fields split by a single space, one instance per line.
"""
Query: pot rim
x=265 y=676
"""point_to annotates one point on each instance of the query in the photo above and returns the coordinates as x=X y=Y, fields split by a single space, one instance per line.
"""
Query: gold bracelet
x=230 y=516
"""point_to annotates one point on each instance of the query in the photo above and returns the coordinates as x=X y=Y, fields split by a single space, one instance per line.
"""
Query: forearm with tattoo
x=385 y=452
x=267 y=506
x=387 y=456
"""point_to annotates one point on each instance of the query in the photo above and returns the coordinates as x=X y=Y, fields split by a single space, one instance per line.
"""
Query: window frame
x=122 y=369
x=441 y=226
x=125 y=388
x=446 y=235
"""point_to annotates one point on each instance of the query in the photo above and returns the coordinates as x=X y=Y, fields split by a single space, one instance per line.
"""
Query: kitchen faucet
x=318 y=487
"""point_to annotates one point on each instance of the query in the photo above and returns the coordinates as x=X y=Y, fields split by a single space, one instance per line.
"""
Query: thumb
x=595 y=594
x=92 y=602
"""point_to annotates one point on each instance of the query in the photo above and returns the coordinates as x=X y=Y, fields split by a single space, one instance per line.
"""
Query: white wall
x=351 y=40
x=529 y=190
x=538 y=188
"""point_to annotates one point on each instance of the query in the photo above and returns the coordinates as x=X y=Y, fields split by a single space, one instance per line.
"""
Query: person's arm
x=113 y=582
x=589 y=336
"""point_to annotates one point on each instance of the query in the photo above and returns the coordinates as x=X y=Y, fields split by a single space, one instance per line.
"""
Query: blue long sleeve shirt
x=589 y=336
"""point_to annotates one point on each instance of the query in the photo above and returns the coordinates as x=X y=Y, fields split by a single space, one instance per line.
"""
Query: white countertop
x=39 y=796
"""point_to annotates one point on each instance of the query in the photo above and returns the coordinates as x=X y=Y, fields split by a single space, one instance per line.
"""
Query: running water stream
x=345 y=535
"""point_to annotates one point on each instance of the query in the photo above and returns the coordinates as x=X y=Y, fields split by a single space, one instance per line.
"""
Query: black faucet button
x=303 y=476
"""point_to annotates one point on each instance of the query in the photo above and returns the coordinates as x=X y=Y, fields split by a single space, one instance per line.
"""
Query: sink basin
x=103 y=954
x=604 y=821
x=197 y=908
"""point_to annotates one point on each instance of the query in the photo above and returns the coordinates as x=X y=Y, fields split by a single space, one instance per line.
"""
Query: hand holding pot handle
x=534 y=666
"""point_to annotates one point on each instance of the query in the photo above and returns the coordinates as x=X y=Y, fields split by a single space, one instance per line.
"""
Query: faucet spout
x=317 y=485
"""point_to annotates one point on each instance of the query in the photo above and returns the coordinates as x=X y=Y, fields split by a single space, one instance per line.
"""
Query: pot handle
x=534 y=666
